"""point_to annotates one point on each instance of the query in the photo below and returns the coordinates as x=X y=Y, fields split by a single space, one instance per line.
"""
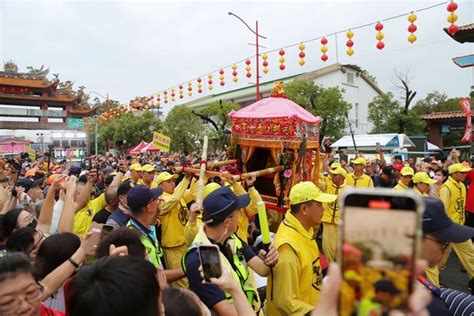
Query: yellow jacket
x=174 y=213
x=362 y=182
x=400 y=186
x=332 y=214
x=419 y=192
x=248 y=211
x=83 y=217
x=293 y=287
x=453 y=195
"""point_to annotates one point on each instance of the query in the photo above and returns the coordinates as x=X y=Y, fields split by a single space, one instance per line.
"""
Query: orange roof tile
x=443 y=115
x=31 y=83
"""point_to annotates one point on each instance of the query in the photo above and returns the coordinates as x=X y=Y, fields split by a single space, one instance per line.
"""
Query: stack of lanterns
x=190 y=88
x=452 y=18
x=265 y=63
x=221 y=77
x=199 y=85
x=209 y=81
x=281 y=60
x=324 y=49
x=173 y=95
x=234 y=73
x=301 y=55
x=165 y=94
x=248 y=68
x=349 y=43
x=158 y=99
x=180 y=91
x=379 y=35
x=412 y=27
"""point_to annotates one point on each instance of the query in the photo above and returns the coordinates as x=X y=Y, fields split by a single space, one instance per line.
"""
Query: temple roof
x=54 y=99
x=443 y=115
x=464 y=34
x=30 y=83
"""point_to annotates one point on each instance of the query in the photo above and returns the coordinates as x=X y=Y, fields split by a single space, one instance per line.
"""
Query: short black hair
x=21 y=240
x=10 y=220
x=12 y=264
x=178 y=302
x=54 y=251
x=122 y=237
x=295 y=208
x=119 y=286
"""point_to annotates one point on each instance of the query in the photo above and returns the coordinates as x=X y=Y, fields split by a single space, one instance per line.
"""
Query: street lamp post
x=257 y=56
x=95 y=121
x=40 y=136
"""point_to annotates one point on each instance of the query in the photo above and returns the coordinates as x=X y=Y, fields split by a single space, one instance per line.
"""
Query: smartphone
x=106 y=229
x=210 y=261
x=378 y=247
x=377 y=146
x=91 y=242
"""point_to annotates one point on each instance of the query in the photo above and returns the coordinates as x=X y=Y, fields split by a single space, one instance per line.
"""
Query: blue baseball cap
x=438 y=224
x=221 y=202
x=138 y=197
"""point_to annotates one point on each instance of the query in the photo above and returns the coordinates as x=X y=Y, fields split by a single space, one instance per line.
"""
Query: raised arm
x=46 y=213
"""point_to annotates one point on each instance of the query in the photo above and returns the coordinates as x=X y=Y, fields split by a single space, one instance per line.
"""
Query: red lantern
x=301 y=55
x=209 y=81
x=452 y=18
x=199 y=85
x=221 y=77
x=281 y=60
x=248 y=68
x=412 y=28
x=379 y=36
x=265 y=63
x=234 y=73
x=190 y=88
x=324 y=49
x=349 y=43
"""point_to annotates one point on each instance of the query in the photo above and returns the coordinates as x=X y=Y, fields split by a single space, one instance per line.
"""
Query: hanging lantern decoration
x=199 y=85
x=181 y=91
x=158 y=99
x=324 y=49
x=349 y=43
x=412 y=27
x=173 y=94
x=165 y=96
x=209 y=81
x=248 y=68
x=379 y=35
x=265 y=63
x=301 y=55
x=234 y=73
x=452 y=18
x=190 y=88
x=281 y=60
x=221 y=77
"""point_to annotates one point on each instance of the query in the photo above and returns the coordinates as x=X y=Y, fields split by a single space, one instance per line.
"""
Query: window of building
x=56 y=143
x=350 y=78
x=357 y=114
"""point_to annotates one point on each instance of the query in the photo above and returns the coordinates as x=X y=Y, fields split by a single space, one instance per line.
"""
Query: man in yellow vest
x=453 y=195
x=148 y=175
x=143 y=205
x=220 y=216
x=422 y=183
x=174 y=215
x=358 y=178
x=295 y=284
x=406 y=174
x=332 y=215
x=135 y=172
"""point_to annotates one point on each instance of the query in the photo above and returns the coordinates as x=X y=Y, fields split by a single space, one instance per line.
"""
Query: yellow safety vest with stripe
x=362 y=182
x=151 y=244
x=238 y=267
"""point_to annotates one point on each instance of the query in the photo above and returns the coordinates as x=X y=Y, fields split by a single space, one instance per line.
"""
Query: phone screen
x=210 y=262
x=106 y=229
x=378 y=252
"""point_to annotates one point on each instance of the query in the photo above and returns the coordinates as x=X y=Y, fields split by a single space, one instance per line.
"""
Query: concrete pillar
x=434 y=136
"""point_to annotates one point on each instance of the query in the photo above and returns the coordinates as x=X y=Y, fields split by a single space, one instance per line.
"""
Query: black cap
x=221 y=202
x=28 y=183
x=388 y=171
x=124 y=187
x=139 y=196
x=386 y=286
x=438 y=224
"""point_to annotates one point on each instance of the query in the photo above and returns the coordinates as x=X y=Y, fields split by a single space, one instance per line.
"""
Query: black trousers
x=469 y=220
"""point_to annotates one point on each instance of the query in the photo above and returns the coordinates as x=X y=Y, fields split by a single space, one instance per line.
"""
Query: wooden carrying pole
x=216 y=164
x=243 y=176
x=202 y=171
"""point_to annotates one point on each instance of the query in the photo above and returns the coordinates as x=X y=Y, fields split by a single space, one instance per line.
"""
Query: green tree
x=325 y=102
x=436 y=102
x=385 y=114
x=184 y=129
x=217 y=114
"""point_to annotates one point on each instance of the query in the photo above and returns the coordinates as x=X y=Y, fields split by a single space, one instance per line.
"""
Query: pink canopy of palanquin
x=274 y=121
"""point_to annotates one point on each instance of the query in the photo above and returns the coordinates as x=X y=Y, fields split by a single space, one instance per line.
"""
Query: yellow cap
x=458 y=167
x=351 y=275
x=136 y=167
x=359 y=161
x=209 y=188
x=308 y=191
x=148 y=168
x=335 y=165
x=422 y=177
x=165 y=176
x=339 y=170
x=407 y=171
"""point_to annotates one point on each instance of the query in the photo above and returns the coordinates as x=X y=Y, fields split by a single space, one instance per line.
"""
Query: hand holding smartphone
x=91 y=241
x=378 y=246
x=210 y=261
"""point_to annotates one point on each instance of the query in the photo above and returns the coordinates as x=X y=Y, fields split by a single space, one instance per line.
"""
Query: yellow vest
x=332 y=214
x=363 y=182
x=292 y=233
x=419 y=192
x=238 y=267
x=173 y=223
x=83 y=217
x=400 y=186
x=457 y=200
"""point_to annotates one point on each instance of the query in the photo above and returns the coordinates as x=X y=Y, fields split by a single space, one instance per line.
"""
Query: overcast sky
x=130 y=48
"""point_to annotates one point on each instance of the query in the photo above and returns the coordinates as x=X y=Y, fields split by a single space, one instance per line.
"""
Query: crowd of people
x=121 y=236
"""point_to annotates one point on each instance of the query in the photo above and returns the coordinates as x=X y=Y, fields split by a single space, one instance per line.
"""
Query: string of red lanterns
x=301 y=55
x=379 y=36
x=412 y=27
x=324 y=49
x=350 y=43
x=281 y=60
x=452 y=17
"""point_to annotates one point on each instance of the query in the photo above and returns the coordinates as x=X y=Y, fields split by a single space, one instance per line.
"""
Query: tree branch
x=207 y=119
